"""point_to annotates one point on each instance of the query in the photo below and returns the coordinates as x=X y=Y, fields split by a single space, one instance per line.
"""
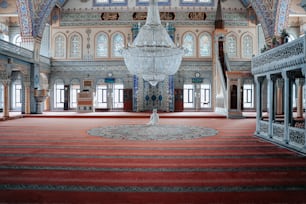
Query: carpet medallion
x=152 y=132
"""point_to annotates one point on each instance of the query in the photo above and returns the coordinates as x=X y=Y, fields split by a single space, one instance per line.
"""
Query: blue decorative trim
x=24 y=11
x=61 y=2
x=43 y=17
x=282 y=16
x=245 y=2
x=169 y=189
x=161 y=169
x=110 y=3
x=197 y=3
x=28 y=155
x=135 y=91
x=168 y=3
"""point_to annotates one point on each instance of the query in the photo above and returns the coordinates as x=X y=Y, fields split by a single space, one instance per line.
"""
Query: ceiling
x=32 y=15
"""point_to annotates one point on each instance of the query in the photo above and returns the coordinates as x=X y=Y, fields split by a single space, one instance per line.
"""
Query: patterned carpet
x=56 y=160
x=152 y=132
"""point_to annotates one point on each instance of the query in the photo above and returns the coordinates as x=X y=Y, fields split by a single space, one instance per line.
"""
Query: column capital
x=5 y=82
x=271 y=77
x=284 y=75
x=300 y=81
x=280 y=83
x=288 y=75
x=259 y=79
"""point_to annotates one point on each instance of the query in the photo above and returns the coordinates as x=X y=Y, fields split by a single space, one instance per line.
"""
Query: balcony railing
x=15 y=51
x=7 y=47
x=288 y=55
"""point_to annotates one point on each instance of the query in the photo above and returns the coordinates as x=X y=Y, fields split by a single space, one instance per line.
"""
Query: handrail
x=290 y=54
x=222 y=79
x=221 y=76
x=226 y=60
x=15 y=51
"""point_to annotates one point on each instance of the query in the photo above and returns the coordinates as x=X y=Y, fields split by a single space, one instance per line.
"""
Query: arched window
x=189 y=44
x=231 y=44
x=117 y=44
x=59 y=94
x=17 y=94
x=74 y=90
x=205 y=45
x=247 y=43
x=75 y=46
x=60 y=46
x=101 y=45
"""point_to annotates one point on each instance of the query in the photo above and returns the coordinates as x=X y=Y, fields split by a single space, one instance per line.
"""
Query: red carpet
x=54 y=160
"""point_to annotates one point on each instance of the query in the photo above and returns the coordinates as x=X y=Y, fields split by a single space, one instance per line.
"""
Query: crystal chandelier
x=153 y=55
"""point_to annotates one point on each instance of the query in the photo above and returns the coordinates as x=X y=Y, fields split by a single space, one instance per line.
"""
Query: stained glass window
x=60 y=46
x=205 y=45
x=247 y=42
x=189 y=44
x=75 y=46
x=117 y=44
x=231 y=42
x=101 y=45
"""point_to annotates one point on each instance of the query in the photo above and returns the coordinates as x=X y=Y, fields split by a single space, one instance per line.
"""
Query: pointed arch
x=75 y=45
x=205 y=45
x=281 y=19
x=101 y=45
x=42 y=17
x=232 y=44
x=118 y=42
x=189 y=43
x=247 y=45
x=59 y=45
x=25 y=17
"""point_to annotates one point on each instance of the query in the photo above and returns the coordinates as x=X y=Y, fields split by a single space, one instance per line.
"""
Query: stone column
x=110 y=95
x=287 y=114
x=239 y=93
x=258 y=81
x=229 y=99
x=27 y=97
x=197 y=97
x=279 y=95
x=300 y=84
x=40 y=97
x=271 y=80
x=6 y=102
